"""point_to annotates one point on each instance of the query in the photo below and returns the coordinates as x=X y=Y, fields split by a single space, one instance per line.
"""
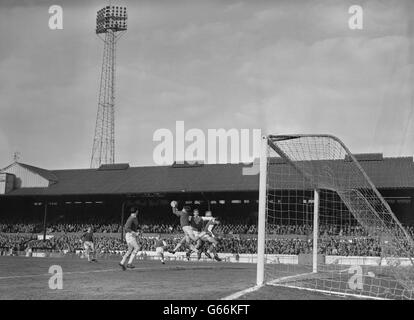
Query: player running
x=185 y=225
x=87 y=240
x=160 y=245
x=131 y=232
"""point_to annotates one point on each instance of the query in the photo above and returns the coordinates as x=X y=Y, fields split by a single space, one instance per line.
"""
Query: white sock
x=124 y=258
x=131 y=258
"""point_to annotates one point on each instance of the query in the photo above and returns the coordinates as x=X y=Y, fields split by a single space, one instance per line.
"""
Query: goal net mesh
x=362 y=249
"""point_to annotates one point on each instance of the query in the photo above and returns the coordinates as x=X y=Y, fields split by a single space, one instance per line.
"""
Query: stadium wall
x=251 y=258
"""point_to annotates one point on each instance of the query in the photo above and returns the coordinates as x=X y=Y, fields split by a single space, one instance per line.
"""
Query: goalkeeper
x=189 y=235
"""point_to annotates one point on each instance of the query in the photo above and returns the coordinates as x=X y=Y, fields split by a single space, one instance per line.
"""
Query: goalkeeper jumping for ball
x=189 y=235
x=131 y=232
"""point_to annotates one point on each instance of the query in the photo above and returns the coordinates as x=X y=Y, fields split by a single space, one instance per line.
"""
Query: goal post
x=315 y=231
x=261 y=228
x=324 y=226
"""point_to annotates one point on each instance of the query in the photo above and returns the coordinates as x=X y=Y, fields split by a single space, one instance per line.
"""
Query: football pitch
x=28 y=278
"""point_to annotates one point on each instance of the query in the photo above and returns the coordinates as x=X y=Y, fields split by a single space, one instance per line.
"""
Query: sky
x=279 y=66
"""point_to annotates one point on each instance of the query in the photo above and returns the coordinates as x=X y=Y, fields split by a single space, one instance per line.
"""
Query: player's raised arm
x=174 y=208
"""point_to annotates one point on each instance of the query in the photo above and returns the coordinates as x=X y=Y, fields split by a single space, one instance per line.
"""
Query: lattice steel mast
x=111 y=24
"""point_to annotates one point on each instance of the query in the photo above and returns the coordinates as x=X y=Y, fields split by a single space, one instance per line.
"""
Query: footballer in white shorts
x=131 y=240
x=131 y=228
x=88 y=245
x=87 y=239
x=189 y=232
x=159 y=247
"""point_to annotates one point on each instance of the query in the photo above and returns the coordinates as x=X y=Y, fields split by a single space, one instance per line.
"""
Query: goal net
x=323 y=225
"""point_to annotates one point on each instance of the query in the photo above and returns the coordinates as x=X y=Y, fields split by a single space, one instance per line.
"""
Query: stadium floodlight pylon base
x=317 y=203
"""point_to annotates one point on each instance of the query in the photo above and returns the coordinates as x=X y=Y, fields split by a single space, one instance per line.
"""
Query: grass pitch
x=28 y=278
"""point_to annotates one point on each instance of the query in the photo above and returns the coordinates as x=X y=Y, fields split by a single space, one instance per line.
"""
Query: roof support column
x=44 y=221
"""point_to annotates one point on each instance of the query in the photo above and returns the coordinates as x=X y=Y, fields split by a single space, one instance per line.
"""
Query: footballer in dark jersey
x=160 y=245
x=189 y=235
x=87 y=240
x=131 y=232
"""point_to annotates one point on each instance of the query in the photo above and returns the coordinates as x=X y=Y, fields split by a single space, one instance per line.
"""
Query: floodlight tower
x=111 y=24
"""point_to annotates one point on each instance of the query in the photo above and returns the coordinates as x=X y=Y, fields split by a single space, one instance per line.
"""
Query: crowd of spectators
x=345 y=230
x=70 y=243
x=237 y=237
x=8 y=227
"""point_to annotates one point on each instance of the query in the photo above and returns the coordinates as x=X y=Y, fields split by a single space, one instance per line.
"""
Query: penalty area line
x=48 y=274
x=171 y=268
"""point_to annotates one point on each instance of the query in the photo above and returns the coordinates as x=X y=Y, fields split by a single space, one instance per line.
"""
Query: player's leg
x=86 y=246
x=185 y=244
x=93 y=252
x=126 y=255
x=193 y=248
x=199 y=247
x=128 y=238
x=204 y=238
x=188 y=253
x=179 y=244
x=213 y=250
x=213 y=245
x=191 y=234
x=135 y=250
x=190 y=237
x=85 y=250
x=208 y=255
x=160 y=252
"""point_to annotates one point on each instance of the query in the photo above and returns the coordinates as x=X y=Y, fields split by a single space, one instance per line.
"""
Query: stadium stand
x=235 y=238
x=70 y=201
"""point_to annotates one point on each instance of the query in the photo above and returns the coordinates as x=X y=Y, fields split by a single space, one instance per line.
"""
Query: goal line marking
x=279 y=283
x=241 y=293
x=279 y=280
